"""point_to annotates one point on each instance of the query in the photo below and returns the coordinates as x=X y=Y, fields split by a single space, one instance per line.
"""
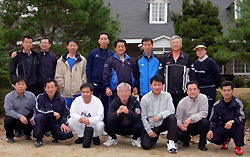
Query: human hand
x=228 y=125
x=13 y=55
x=65 y=128
x=23 y=120
x=108 y=92
x=156 y=118
x=57 y=115
x=210 y=135
x=188 y=121
x=152 y=134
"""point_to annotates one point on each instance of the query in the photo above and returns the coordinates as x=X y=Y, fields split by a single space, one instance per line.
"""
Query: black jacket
x=133 y=106
x=46 y=67
x=177 y=74
x=45 y=106
x=17 y=67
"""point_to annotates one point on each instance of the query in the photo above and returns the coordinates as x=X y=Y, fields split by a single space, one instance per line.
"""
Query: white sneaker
x=104 y=133
x=110 y=142
x=137 y=142
x=172 y=147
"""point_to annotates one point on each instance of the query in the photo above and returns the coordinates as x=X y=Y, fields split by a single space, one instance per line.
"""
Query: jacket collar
x=78 y=57
x=152 y=53
x=181 y=55
x=233 y=104
x=125 y=57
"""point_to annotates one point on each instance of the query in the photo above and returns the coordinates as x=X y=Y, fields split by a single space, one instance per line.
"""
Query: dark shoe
x=79 y=140
x=96 y=140
x=185 y=145
x=47 y=134
x=10 y=139
x=18 y=133
x=87 y=138
x=202 y=148
x=27 y=137
x=54 y=140
x=38 y=143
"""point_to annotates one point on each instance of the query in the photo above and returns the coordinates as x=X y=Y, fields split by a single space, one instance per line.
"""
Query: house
x=152 y=18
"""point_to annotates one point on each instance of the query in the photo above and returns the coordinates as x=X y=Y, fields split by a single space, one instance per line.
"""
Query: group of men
x=170 y=98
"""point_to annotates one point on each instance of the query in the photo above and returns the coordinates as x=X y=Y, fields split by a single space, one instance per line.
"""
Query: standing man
x=87 y=112
x=52 y=114
x=25 y=63
x=71 y=72
x=191 y=116
x=47 y=64
x=207 y=74
x=124 y=117
x=178 y=70
x=19 y=108
x=117 y=69
x=146 y=66
x=95 y=64
x=228 y=119
x=158 y=116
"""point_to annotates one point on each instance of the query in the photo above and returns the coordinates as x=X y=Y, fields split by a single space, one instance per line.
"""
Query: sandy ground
x=21 y=147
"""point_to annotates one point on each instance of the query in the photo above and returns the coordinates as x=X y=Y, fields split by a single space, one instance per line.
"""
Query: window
x=158 y=11
x=237 y=9
x=221 y=68
x=241 y=68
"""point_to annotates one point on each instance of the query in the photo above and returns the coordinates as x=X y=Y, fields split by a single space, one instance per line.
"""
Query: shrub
x=238 y=82
x=248 y=83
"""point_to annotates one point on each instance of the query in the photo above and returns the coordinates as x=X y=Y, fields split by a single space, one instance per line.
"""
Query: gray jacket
x=153 y=105
x=197 y=109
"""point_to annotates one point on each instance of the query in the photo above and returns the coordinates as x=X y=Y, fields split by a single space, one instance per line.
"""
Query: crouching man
x=87 y=117
x=124 y=117
x=52 y=114
x=191 y=116
x=227 y=119
x=158 y=116
x=19 y=108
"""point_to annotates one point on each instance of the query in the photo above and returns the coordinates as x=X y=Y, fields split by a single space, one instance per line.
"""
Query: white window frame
x=158 y=2
x=237 y=14
x=245 y=69
x=222 y=69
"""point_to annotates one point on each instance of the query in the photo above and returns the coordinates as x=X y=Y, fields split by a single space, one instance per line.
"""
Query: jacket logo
x=137 y=110
x=168 y=62
x=85 y=114
x=96 y=55
x=106 y=65
x=142 y=64
x=128 y=63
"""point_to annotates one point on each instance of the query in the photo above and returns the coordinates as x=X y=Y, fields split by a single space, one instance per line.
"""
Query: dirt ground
x=22 y=148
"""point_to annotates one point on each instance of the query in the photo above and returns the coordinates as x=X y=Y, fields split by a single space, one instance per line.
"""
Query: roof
x=134 y=17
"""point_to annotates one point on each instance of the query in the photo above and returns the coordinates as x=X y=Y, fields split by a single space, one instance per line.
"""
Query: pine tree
x=59 y=20
x=4 y=60
x=236 y=44
x=199 y=22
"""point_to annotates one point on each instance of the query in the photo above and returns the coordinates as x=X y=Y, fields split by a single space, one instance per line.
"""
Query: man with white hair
x=124 y=117
x=178 y=70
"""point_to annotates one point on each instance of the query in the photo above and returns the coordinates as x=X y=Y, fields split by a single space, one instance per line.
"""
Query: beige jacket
x=70 y=81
